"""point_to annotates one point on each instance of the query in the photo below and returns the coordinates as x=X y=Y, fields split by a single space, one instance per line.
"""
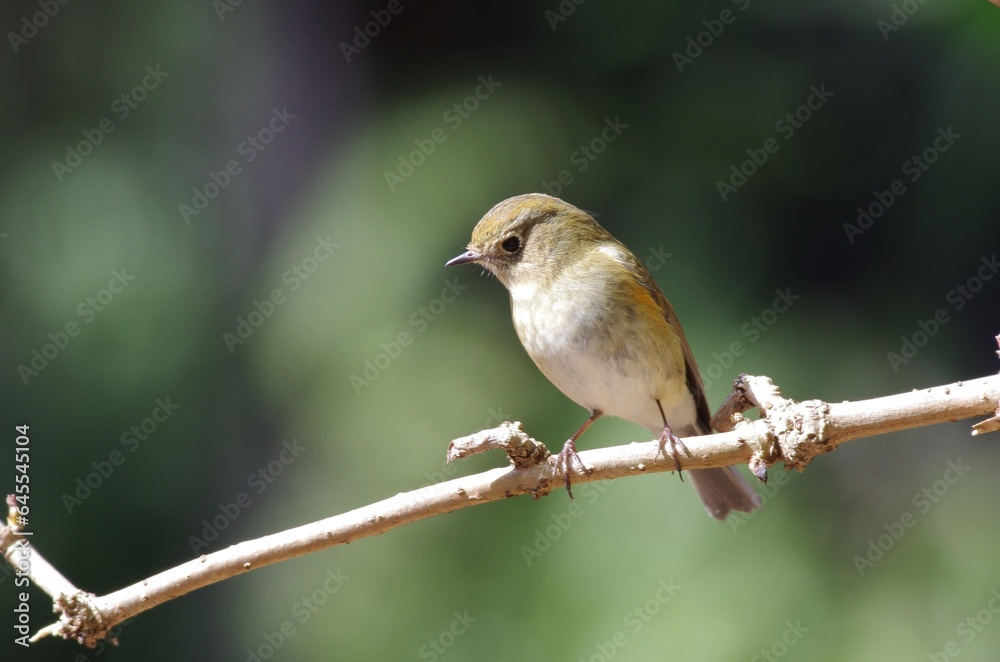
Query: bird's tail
x=724 y=490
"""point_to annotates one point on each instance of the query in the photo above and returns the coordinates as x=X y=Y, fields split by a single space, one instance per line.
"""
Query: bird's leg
x=668 y=436
x=568 y=453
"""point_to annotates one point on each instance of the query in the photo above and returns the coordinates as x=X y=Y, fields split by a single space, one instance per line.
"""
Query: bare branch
x=787 y=431
x=19 y=554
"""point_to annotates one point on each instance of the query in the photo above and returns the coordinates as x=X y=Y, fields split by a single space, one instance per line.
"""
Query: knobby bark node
x=801 y=430
x=521 y=449
x=80 y=619
x=794 y=432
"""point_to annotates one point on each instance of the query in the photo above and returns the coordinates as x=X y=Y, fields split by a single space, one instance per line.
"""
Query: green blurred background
x=309 y=117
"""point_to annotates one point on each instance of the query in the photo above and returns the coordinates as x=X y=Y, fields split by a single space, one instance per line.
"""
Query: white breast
x=582 y=355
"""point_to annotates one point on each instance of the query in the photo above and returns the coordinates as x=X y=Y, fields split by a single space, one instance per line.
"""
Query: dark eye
x=511 y=244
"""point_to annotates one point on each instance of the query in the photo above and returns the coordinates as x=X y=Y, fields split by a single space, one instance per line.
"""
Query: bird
x=594 y=321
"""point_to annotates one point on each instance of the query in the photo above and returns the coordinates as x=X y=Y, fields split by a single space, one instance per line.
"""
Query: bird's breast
x=600 y=350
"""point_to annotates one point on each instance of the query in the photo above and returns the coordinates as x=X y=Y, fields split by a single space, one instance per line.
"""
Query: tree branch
x=786 y=431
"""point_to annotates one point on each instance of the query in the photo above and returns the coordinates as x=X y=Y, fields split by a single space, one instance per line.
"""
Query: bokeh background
x=335 y=199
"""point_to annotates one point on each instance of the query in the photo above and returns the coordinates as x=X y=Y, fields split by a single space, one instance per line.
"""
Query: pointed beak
x=465 y=258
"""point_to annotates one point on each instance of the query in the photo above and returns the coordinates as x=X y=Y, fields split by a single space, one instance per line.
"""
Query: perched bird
x=593 y=320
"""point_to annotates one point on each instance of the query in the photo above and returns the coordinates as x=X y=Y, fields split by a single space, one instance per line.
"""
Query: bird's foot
x=668 y=437
x=564 y=464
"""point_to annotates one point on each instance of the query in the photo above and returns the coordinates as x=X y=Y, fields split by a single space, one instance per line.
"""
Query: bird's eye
x=511 y=244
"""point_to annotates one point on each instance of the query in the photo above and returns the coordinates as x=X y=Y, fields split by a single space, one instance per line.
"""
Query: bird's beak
x=466 y=257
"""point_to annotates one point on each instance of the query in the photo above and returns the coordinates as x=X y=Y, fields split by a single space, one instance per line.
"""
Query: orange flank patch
x=654 y=317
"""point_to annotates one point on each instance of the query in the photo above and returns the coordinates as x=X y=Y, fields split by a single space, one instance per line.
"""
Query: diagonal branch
x=786 y=431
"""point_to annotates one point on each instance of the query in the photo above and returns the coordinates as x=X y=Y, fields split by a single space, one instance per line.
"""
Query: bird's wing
x=694 y=383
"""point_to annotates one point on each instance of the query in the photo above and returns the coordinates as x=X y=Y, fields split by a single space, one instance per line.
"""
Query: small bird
x=594 y=321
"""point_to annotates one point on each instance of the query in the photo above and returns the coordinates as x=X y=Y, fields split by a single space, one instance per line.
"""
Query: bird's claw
x=668 y=437
x=564 y=461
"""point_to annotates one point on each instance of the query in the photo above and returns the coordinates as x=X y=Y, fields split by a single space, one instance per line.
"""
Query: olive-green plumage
x=594 y=321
